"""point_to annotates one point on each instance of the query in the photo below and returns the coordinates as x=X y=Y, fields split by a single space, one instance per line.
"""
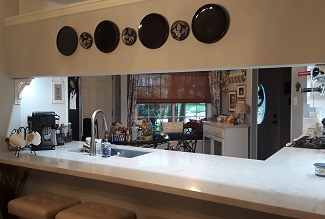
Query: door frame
x=253 y=119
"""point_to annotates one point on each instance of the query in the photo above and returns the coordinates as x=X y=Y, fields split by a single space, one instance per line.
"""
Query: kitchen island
x=183 y=185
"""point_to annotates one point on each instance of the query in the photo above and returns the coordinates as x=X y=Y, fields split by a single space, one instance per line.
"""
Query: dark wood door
x=274 y=131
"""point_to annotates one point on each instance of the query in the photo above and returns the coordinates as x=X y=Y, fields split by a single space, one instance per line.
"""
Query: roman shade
x=185 y=87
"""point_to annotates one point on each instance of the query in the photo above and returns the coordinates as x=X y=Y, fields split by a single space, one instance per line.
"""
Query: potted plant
x=12 y=182
x=147 y=135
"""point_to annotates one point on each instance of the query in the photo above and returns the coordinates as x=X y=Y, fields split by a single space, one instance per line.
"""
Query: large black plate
x=153 y=31
x=67 y=40
x=106 y=36
x=210 y=23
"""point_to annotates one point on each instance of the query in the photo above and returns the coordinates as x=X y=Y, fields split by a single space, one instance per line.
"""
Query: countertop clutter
x=285 y=184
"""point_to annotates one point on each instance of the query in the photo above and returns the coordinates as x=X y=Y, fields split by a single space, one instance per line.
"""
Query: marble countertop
x=285 y=184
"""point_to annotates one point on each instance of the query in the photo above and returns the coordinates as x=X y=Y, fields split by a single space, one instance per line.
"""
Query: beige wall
x=262 y=33
x=7 y=108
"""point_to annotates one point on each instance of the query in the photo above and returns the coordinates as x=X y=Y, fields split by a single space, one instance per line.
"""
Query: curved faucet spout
x=92 y=150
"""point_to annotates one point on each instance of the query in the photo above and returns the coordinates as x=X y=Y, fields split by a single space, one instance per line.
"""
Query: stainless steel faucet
x=92 y=151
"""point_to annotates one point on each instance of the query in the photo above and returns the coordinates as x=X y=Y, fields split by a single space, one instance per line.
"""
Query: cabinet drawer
x=212 y=130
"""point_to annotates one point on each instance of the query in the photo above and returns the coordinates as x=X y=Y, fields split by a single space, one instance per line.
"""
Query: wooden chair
x=190 y=137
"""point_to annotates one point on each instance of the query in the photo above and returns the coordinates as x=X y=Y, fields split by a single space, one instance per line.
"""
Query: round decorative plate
x=67 y=40
x=85 y=40
x=106 y=36
x=180 y=30
x=129 y=36
x=153 y=31
x=210 y=23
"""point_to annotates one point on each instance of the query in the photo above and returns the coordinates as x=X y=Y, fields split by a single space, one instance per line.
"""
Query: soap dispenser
x=106 y=148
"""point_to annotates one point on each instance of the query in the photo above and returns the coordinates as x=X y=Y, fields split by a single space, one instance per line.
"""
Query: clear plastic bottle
x=134 y=133
x=106 y=148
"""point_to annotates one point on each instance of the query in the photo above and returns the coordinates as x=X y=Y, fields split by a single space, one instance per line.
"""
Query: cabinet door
x=212 y=145
x=236 y=142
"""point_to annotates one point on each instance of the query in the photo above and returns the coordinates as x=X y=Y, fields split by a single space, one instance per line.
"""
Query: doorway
x=273 y=130
x=96 y=94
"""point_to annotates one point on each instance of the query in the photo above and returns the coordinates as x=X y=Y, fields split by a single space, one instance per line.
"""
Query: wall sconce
x=20 y=84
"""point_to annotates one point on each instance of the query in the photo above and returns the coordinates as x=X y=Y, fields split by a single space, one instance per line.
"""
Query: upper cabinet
x=260 y=33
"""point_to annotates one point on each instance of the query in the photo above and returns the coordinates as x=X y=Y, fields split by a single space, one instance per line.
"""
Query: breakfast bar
x=201 y=185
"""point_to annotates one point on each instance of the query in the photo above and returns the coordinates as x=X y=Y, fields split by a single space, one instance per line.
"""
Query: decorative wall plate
x=67 y=41
x=153 y=31
x=106 y=36
x=210 y=23
x=129 y=36
x=180 y=30
x=85 y=40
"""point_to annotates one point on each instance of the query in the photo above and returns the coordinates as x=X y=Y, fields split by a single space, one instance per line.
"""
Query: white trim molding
x=68 y=10
x=20 y=84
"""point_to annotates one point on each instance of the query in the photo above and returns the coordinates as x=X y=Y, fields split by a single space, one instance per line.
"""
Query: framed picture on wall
x=241 y=91
x=58 y=91
x=231 y=101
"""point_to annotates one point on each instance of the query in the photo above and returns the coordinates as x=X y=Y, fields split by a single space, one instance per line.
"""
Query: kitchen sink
x=126 y=153
x=116 y=152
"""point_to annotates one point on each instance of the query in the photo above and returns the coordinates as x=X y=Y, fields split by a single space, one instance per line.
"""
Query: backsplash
x=316 y=102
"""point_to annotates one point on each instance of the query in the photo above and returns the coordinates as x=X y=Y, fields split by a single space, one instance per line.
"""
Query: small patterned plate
x=129 y=36
x=180 y=30
x=85 y=40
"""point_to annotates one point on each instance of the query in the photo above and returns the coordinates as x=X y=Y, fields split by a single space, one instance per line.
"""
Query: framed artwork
x=58 y=92
x=231 y=101
x=241 y=91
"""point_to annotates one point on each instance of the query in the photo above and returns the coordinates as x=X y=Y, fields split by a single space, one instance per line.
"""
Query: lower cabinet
x=225 y=139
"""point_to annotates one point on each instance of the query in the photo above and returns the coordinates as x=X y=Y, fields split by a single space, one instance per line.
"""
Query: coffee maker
x=45 y=123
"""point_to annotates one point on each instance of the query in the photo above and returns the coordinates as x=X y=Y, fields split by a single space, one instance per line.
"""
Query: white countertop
x=226 y=124
x=284 y=184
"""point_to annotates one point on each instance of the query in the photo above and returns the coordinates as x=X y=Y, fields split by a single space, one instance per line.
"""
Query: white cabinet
x=225 y=139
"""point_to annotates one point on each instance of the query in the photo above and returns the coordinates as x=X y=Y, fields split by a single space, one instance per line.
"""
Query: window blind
x=187 y=87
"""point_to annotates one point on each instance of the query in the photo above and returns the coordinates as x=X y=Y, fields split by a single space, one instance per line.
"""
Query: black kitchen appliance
x=45 y=123
x=309 y=142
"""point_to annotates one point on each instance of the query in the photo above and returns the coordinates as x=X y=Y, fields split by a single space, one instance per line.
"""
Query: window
x=171 y=112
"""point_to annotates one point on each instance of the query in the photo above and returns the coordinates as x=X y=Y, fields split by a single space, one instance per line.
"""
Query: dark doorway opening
x=274 y=131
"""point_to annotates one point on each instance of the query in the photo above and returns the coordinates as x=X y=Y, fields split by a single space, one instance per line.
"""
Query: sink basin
x=116 y=152
x=126 y=153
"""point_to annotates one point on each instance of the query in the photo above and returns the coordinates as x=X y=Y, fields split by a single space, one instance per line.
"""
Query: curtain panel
x=132 y=98
x=215 y=90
